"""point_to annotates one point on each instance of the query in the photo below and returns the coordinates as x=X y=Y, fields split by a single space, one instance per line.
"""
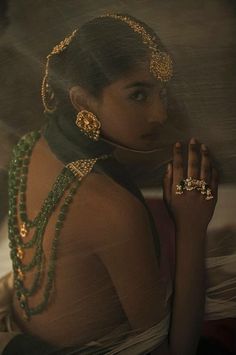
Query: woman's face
x=132 y=110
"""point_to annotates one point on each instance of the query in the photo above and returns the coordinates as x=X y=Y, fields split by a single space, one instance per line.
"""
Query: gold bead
x=20 y=274
x=23 y=230
x=20 y=253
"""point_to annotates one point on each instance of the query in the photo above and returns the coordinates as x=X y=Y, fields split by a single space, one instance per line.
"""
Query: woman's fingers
x=178 y=168
x=193 y=159
x=205 y=173
x=199 y=167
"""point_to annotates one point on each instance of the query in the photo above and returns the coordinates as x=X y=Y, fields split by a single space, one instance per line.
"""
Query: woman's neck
x=123 y=147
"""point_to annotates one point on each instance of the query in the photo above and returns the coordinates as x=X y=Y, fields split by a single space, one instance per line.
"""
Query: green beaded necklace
x=67 y=181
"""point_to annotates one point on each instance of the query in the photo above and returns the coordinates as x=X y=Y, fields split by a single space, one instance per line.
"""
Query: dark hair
x=102 y=50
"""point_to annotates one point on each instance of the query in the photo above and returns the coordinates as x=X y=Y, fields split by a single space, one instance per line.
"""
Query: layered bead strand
x=18 y=231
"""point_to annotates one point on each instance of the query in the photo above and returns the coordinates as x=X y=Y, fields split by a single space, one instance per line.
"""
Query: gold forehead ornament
x=161 y=65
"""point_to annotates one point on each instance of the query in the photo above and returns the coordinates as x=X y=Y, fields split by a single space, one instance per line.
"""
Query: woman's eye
x=139 y=96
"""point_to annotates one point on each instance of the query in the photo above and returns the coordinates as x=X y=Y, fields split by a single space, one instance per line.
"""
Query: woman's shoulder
x=108 y=208
x=100 y=190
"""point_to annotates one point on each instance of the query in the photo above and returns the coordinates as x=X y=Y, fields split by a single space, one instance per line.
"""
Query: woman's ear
x=79 y=98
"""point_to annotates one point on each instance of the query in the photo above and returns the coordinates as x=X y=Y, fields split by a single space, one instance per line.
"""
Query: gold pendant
x=23 y=230
x=20 y=275
x=81 y=168
x=20 y=253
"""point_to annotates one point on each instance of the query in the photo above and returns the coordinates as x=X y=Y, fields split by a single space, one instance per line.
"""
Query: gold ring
x=190 y=184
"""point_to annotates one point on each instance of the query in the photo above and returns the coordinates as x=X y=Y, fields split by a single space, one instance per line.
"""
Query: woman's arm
x=189 y=295
x=189 y=292
x=192 y=214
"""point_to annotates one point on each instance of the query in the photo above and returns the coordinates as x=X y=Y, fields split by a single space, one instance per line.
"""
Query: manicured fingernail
x=177 y=145
x=204 y=147
x=193 y=141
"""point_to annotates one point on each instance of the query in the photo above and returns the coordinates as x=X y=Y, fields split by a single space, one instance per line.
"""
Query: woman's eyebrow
x=146 y=84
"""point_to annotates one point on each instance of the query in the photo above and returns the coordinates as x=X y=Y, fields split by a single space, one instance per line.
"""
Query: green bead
x=25 y=170
x=61 y=217
x=16 y=263
x=59 y=224
x=73 y=191
x=22 y=207
x=22 y=197
x=23 y=216
x=18 y=283
x=50 y=274
x=14 y=190
x=24 y=146
x=16 y=162
x=64 y=208
x=22 y=188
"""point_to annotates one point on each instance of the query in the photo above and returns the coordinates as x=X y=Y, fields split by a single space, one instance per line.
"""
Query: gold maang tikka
x=47 y=93
x=161 y=65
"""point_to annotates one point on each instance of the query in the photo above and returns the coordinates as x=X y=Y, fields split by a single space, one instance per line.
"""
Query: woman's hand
x=190 y=209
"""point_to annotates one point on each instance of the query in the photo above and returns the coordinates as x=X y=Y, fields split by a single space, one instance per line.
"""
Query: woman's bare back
x=84 y=305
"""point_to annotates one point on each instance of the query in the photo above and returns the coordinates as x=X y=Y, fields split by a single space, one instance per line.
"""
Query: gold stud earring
x=88 y=124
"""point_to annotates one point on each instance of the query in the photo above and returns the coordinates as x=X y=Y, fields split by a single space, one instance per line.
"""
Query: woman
x=87 y=263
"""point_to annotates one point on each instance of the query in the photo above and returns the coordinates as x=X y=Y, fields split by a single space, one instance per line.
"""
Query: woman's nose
x=158 y=112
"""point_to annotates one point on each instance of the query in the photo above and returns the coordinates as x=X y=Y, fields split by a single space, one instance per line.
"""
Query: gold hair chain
x=161 y=65
x=46 y=91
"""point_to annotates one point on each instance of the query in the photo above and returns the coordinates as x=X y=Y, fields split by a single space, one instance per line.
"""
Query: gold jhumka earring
x=88 y=124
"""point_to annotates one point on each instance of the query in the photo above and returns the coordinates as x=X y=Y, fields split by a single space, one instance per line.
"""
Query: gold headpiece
x=161 y=65
x=46 y=90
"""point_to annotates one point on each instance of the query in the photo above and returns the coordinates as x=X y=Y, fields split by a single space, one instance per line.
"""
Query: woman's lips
x=150 y=136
